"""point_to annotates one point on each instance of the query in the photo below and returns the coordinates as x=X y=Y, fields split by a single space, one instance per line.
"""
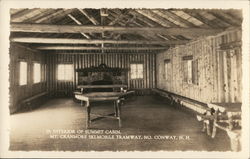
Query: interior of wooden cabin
x=168 y=72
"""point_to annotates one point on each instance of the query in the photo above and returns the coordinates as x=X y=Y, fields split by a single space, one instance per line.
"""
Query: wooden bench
x=26 y=103
x=195 y=106
x=225 y=116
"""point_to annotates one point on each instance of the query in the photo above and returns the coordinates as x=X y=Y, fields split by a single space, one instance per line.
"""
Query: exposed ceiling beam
x=45 y=28
x=117 y=18
x=27 y=15
x=163 y=37
x=169 y=15
x=20 y=14
x=144 y=19
x=160 y=20
x=90 y=17
x=43 y=14
x=88 y=41
x=53 y=15
x=14 y=12
x=226 y=18
x=97 y=48
x=132 y=20
x=201 y=18
x=79 y=23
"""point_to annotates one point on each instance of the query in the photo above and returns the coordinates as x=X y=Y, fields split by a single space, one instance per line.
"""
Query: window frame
x=189 y=70
x=40 y=70
x=20 y=72
x=166 y=68
x=137 y=77
x=64 y=79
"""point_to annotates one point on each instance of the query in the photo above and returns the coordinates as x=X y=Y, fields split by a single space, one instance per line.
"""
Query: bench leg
x=204 y=127
x=234 y=140
x=214 y=123
x=208 y=128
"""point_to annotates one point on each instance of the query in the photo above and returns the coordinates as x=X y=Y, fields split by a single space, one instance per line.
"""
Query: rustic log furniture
x=225 y=116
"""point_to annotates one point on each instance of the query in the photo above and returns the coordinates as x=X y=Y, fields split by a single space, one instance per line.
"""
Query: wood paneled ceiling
x=116 y=30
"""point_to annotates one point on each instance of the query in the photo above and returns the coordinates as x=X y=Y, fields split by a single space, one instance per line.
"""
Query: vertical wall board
x=18 y=93
x=219 y=73
x=95 y=59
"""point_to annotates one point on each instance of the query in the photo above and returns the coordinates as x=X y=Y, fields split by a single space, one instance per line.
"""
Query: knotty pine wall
x=17 y=92
x=95 y=59
x=219 y=69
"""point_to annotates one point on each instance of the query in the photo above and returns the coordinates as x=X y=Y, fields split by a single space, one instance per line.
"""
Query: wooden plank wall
x=18 y=93
x=219 y=69
x=94 y=59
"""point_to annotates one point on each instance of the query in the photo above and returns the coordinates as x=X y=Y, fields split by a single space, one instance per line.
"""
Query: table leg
x=88 y=109
x=88 y=116
x=119 y=113
x=115 y=108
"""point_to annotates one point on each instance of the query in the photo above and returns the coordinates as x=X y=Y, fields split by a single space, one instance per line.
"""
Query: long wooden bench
x=195 y=106
x=224 y=116
x=227 y=117
x=26 y=103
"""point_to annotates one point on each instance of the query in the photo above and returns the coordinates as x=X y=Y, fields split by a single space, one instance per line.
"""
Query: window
x=136 y=71
x=37 y=72
x=190 y=70
x=166 y=68
x=23 y=73
x=65 y=72
x=195 y=72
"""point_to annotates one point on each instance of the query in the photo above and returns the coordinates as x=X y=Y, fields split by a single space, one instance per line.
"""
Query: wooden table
x=115 y=97
x=121 y=86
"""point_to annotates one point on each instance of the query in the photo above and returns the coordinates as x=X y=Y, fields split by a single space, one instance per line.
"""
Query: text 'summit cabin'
x=159 y=79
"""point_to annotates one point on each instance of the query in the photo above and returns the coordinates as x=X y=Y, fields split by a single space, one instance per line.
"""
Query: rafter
x=178 y=20
x=26 y=14
x=225 y=17
x=90 y=17
x=97 y=48
x=45 y=13
x=79 y=23
x=87 y=41
x=123 y=23
x=118 y=17
x=151 y=15
x=143 y=19
x=53 y=15
x=44 y=28
x=17 y=12
x=201 y=18
x=163 y=37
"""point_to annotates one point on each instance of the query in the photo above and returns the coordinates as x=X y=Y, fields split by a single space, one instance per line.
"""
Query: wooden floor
x=142 y=115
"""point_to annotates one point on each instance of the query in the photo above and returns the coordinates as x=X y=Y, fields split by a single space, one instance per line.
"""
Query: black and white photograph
x=125 y=78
